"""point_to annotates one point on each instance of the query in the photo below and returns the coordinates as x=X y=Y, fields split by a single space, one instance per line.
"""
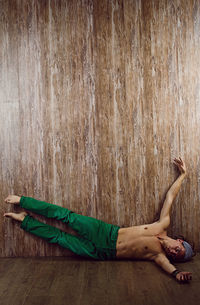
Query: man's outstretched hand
x=184 y=277
x=181 y=165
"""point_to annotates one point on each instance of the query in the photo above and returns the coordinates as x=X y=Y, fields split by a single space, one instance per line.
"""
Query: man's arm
x=181 y=276
x=172 y=193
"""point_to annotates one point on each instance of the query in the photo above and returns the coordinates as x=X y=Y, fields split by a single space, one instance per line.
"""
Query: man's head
x=177 y=249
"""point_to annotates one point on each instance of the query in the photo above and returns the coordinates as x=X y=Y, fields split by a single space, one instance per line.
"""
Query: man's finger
x=177 y=161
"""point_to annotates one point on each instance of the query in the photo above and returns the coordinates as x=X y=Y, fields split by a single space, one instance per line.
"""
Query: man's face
x=174 y=248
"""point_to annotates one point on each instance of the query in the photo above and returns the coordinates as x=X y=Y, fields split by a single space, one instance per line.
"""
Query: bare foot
x=16 y=216
x=13 y=199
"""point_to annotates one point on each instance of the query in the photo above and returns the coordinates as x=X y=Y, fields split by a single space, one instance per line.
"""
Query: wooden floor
x=56 y=281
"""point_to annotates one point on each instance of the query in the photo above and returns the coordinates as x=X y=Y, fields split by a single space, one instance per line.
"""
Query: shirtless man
x=103 y=241
x=150 y=242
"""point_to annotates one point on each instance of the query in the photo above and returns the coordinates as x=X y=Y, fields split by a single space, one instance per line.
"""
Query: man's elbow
x=170 y=196
x=165 y=221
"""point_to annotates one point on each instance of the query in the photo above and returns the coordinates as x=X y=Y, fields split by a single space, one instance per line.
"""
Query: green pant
x=96 y=239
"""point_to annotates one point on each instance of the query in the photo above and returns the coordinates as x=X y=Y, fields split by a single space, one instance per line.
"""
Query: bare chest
x=138 y=243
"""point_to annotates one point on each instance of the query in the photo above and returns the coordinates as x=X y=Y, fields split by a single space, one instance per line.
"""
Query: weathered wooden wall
x=97 y=98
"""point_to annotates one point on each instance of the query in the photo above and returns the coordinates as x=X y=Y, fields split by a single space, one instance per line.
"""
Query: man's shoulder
x=159 y=258
x=155 y=228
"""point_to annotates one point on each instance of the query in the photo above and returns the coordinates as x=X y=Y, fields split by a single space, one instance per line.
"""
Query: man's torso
x=139 y=242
